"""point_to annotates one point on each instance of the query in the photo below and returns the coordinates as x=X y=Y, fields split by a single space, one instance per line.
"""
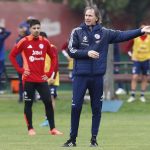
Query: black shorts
x=42 y=88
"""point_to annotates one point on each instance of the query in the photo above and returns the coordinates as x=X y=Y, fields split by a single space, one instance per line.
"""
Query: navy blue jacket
x=82 y=40
x=4 y=34
x=19 y=57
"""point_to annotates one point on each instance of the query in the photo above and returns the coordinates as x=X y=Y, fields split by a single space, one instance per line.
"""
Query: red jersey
x=33 y=51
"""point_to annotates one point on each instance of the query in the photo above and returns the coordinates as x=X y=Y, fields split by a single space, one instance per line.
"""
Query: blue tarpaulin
x=111 y=105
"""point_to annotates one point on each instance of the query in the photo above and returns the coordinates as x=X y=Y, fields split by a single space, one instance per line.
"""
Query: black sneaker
x=70 y=143
x=93 y=142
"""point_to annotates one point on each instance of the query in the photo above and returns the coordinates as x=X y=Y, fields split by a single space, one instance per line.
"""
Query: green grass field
x=127 y=129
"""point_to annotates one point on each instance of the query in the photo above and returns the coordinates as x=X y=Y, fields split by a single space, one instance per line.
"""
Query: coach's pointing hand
x=146 y=29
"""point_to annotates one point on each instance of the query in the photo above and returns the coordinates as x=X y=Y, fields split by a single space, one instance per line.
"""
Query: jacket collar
x=95 y=27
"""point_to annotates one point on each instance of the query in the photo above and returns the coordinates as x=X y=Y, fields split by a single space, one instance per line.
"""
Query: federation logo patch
x=26 y=98
x=97 y=36
x=41 y=46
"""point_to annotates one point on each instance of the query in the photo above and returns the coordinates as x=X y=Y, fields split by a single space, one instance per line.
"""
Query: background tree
x=139 y=9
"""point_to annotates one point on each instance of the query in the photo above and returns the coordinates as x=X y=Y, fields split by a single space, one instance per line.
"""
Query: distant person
x=4 y=34
x=53 y=81
x=69 y=59
x=140 y=56
x=88 y=46
x=53 y=85
x=34 y=49
x=22 y=32
x=120 y=89
x=26 y=24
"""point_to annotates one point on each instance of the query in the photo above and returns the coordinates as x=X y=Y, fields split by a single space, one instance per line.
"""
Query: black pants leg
x=29 y=90
x=44 y=92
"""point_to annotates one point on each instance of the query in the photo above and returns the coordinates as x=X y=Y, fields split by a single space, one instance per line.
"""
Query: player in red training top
x=33 y=49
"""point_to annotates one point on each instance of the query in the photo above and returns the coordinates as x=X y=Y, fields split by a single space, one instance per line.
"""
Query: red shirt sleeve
x=65 y=46
x=129 y=46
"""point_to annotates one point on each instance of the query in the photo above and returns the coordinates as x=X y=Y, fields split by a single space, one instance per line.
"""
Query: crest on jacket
x=97 y=36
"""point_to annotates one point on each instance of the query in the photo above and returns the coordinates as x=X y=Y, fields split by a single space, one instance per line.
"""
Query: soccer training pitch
x=128 y=129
